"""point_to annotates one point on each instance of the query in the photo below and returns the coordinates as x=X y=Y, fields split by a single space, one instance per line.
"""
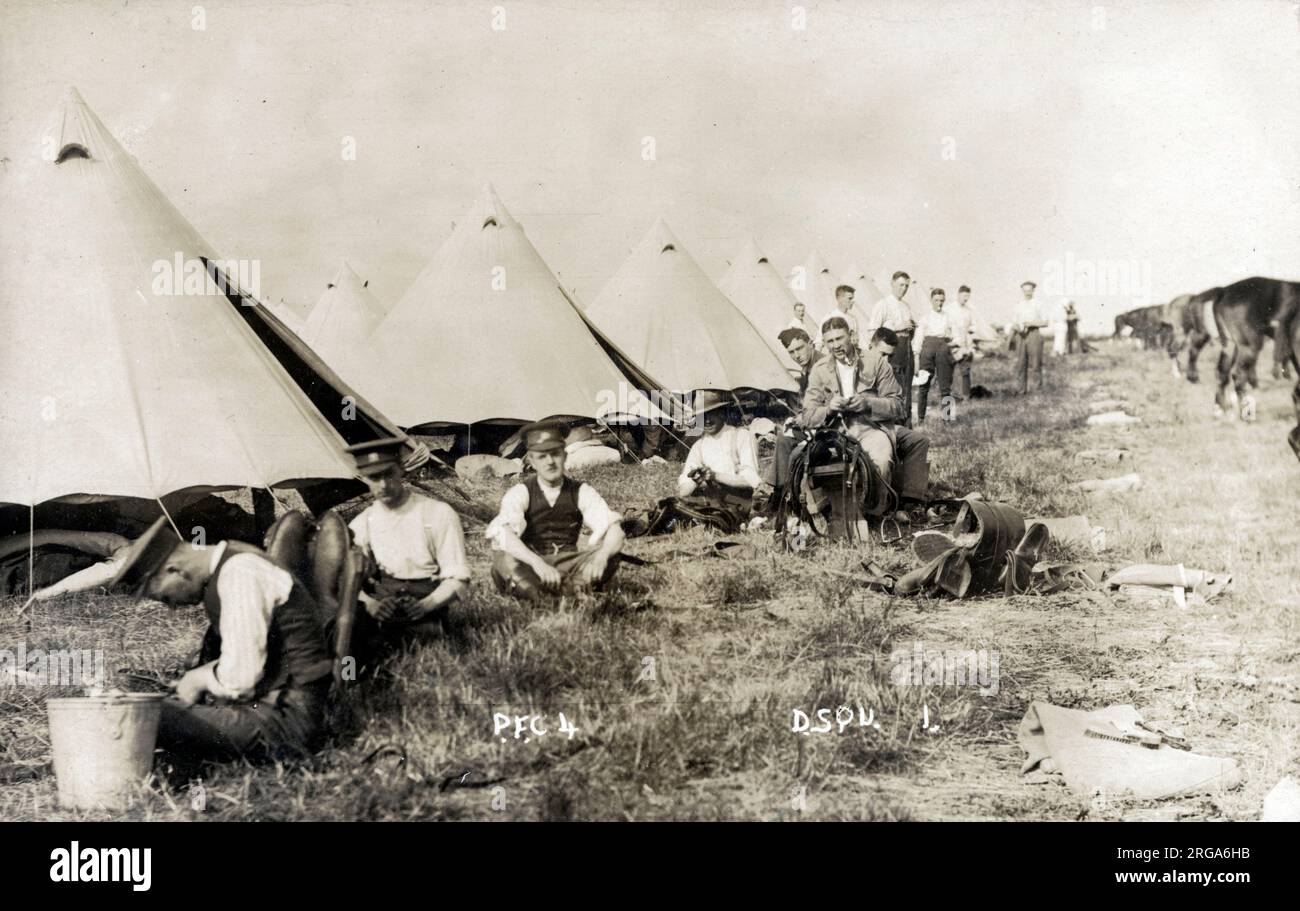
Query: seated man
x=536 y=533
x=418 y=547
x=722 y=465
x=858 y=394
x=777 y=474
x=261 y=689
x=911 y=447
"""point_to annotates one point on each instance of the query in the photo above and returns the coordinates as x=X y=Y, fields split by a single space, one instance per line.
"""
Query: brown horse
x=1245 y=314
x=1195 y=326
x=1288 y=328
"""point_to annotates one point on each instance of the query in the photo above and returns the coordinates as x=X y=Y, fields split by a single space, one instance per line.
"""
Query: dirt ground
x=682 y=685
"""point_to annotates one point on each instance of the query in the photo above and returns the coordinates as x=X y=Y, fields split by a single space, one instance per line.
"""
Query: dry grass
x=682 y=684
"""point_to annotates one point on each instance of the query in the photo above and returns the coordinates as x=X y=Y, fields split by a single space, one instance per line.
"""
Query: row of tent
x=114 y=386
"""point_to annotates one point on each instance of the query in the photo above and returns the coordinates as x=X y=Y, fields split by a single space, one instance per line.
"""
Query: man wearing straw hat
x=537 y=531
x=261 y=687
x=417 y=545
x=723 y=463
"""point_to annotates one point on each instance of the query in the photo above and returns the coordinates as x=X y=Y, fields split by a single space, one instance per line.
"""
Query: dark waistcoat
x=296 y=653
x=552 y=527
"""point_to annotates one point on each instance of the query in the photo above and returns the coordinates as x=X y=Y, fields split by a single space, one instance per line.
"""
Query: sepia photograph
x=528 y=411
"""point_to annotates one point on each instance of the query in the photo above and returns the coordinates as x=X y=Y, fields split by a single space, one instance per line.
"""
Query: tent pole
x=170 y=520
x=31 y=549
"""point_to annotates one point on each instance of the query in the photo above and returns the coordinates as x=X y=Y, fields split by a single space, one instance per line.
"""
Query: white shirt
x=847 y=317
x=935 y=325
x=1029 y=311
x=730 y=451
x=421 y=539
x=962 y=321
x=250 y=587
x=891 y=313
x=596 y=516
x=844 y=373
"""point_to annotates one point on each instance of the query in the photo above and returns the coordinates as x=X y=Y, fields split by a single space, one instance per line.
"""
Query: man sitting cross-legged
x=261 y=690
x=858 y=394
x=418 y=547
x=536 y=533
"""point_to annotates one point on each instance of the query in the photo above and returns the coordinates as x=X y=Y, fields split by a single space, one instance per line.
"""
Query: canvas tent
x=669 y=317
x=752 y=283
x=486 y=333
x=340 y=325
x=125 y=377
x=814 y=285
x=287 y=315
x=866 y=292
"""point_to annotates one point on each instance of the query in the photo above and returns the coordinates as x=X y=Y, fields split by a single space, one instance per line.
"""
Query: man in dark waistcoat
x=537 y=531
x=262 y=684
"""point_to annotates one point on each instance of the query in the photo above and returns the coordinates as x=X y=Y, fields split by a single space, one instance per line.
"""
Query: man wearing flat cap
x=536 y=533
x=262 y=684
x=1029 y=319
x=417 y=546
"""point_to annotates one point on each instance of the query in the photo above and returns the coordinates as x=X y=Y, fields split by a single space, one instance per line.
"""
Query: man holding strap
x=859 y=393
x=536 y=533
x=261 y=688
x=417 y=545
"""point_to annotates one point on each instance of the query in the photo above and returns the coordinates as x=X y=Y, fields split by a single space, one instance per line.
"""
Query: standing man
x=418 y=547
x=802 y=320
x=844 y=310
x=536 y=533
x=1071 y=327
x=859 y=393
x=892 y=313
x=261 y=688
x=1029 y=320
x=963 y=341
x=936 y=337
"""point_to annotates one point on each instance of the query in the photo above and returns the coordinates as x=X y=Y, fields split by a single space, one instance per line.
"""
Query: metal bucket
x=103 y=747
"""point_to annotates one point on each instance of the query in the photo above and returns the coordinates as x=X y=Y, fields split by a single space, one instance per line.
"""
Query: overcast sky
x=965 y=142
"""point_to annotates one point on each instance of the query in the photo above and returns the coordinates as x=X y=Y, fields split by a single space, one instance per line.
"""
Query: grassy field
x=682 y=684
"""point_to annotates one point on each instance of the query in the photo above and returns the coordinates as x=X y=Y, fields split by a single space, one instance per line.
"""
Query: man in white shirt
x=963 y=341
x=262 y=684
x=723 y=463
x=417 y=545
x=802 y=320
x=536 y=533
x=1028 y=321
x=936 y=334
x=894 y=314
x=844 y=310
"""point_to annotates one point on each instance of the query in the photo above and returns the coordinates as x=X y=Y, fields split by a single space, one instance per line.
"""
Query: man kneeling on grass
x=536 y=532
x=418 y=547
x=262 y=685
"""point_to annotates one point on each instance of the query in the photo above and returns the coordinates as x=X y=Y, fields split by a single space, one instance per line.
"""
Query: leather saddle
x=321 y=555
